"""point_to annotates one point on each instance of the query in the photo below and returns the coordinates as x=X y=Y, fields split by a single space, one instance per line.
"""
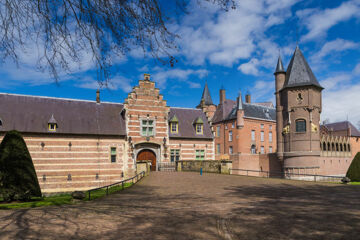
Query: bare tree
x=63 y=31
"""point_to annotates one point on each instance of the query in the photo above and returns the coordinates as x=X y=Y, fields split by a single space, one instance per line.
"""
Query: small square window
x=200 y=154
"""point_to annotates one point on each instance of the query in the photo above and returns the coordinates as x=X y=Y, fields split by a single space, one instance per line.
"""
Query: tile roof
x=279 y=66
x=299 y=73
x=343 y=126
x=227 y=111
x=187 y=117
x=32 y=114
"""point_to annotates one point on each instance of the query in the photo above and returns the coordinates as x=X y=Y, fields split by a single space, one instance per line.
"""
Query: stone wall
x=209 y=166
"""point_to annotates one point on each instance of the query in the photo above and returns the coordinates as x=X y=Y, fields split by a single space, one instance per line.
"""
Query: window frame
x=176 y=124
x=218 y=148
x=262 y=136
x=270 y=149
x=200 y=154
x=52 y=127
x=231 y=150
x=297 y=127
x=270 y=137
x=174 y=155
x=262 y=150
x=113 y=155
x=218 y=131
x=253 y=135
x=147 y=126
x=230 y=136
x=201 y=128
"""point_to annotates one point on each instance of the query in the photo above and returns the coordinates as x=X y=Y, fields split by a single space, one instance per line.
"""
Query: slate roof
x=299 y=73
x=187 y=117
x=206 y=96
x=32 y=114
x=343 y=126
x=279 y=66
x=227 y=111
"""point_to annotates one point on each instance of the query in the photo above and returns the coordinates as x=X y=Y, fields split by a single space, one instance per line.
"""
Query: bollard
x=200 y=171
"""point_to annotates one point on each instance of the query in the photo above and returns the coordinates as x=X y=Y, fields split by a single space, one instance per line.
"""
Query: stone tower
x=206 y=103
x=298 y=108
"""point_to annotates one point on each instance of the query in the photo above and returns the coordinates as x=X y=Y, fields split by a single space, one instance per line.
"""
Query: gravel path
x=189 y=206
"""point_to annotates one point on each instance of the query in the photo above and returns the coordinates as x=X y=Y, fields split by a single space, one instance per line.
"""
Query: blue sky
x=237 y=49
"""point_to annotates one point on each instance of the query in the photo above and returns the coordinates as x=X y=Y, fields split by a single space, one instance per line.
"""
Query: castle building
x=78 y=145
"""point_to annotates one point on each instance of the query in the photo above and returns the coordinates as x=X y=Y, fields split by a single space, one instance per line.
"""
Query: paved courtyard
x=190 y=206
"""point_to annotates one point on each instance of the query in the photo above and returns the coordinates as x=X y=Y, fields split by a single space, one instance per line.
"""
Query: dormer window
x=199 y=126
x=174 y=125
x=52 y=124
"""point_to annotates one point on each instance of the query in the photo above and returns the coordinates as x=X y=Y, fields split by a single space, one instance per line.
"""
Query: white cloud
x=356 y=70
x=225 y=38
x=161 y=77
x=335 y=46
x=318 y=22
x=117 y=82
x=250 y=67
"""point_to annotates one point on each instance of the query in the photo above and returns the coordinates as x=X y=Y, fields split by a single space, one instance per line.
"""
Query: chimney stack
x=146 y=77
x=248 y=98
x=98 y=96
x=222 y=96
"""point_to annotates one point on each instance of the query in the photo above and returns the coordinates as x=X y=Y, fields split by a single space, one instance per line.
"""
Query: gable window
x=52 y=124
x=174 y=155
x=174 y=127
x=218 y=131
x=262 y=136
x=113 y=154
x=270 y=137
x=230 y=136
x=199 y=128
x=218 y=148
x=200 y=154
x=230 y=150
x=252 y=135
x=147 y=127
x=300 y=125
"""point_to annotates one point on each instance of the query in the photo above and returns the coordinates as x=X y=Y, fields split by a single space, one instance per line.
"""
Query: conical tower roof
x=239 y=103
x=279 y=66
x=206 y=96
x=299 y=73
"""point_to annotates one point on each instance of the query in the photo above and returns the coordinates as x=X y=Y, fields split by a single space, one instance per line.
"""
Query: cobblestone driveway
x=190 y=206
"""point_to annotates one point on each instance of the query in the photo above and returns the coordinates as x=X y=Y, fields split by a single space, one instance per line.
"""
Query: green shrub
x=18 y=180
x=354 y=170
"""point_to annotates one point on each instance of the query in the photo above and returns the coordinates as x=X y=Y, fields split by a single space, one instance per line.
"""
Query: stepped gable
x=186 y=118
x=31 y=114
x=299 y=73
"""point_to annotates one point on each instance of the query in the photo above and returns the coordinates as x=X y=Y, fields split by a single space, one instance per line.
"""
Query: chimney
x=222 y=96
x=248 y=98
x=146 y=77
x=98 y=96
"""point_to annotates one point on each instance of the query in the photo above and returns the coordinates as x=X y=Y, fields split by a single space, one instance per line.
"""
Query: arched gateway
x=147 y=155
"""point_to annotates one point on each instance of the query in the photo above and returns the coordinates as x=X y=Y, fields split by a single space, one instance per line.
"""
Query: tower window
x=300 y=125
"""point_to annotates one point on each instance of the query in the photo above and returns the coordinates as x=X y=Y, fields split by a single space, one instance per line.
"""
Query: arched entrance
x=147 y=155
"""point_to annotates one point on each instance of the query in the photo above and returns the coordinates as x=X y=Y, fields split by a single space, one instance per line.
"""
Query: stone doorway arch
x=149 y=156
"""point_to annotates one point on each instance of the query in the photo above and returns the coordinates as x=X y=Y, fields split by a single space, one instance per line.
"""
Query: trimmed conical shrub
x=354 y=170
x=18 y=180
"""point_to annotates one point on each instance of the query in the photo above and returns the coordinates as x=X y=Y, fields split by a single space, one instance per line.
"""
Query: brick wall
x=188 y=148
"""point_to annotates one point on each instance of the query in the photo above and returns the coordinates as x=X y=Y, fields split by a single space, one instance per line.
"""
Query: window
x=174 y=155
x=230 y=150
x=253 y=149
x=230 y=136
x=218 y=131
x=226 y=126
x=262 y=126
x=300 y=125
x=262 y=150
x=199 y=128
x=262 y=136
x=52 y=127
x=270 y=149
x=113 y=154
x=174 y=127
x=270 y=127
x=147 y=127
x=200 y=154
x=218 y=148
x=252 y=135
x=233 y=125
x=1 y=123
x=270 y=137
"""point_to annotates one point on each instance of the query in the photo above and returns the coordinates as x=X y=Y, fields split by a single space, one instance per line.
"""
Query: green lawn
x=60 y=199
x=354 y=183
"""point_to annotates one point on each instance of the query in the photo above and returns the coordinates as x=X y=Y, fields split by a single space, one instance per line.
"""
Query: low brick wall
x=210 y=166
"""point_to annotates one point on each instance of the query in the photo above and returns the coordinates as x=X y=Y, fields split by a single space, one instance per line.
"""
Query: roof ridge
x=187 y=108
x=57 y=98
x=254 y=104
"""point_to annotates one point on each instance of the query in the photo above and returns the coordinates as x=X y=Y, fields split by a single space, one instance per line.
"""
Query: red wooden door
x=147 y=155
